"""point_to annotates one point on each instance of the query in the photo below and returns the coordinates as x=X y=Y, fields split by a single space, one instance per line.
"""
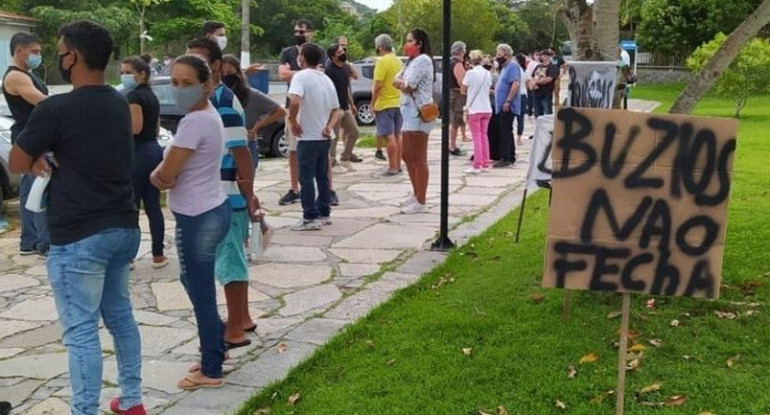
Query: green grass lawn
x=407 y=356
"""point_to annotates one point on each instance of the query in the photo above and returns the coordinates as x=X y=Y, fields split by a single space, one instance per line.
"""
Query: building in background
x=11 y=23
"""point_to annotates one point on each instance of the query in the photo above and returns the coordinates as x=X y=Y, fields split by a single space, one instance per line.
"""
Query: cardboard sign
x=639 y=202
x=592 y=84
x=540 y=155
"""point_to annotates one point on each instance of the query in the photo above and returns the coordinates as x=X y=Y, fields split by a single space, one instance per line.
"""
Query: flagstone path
x=304 y=289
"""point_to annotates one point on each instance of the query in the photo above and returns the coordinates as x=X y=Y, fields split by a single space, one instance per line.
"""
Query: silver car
x=9 y=182
x=362 y=88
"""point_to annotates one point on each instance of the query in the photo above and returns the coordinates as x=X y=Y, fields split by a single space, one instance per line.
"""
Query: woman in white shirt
x=475 y=87
x=522 y=60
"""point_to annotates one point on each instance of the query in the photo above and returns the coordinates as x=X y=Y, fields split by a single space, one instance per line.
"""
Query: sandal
x=231 y=346
x=251 y=329
x=189 y=385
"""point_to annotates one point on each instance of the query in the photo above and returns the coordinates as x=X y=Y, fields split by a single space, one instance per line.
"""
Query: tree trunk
x=245 y=31
x=606 y=30
x=705 y=79
x=578 y=17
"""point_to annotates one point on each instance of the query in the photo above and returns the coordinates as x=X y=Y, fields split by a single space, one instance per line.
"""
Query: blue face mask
x=34 y=61
x=187 y=97
x=128 y=81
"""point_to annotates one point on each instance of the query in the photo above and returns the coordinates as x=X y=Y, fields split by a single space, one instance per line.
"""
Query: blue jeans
x=90 y=277
x=147 y=156
x=254 y=150
x=34 y=226
x=520 y=116
x=543 y=105
x=197 y=238
x=313 y=159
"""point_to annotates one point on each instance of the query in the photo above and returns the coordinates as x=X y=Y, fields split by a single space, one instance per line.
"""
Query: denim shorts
x=231 y=264
x=389 y=122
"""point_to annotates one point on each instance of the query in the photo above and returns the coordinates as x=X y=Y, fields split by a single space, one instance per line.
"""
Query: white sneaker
x=472 y=170
x=415 y=207
x=325 y=220
x=408 y=201
x=306 y=225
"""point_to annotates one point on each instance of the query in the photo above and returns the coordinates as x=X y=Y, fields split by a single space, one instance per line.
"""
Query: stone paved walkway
x=305 y=289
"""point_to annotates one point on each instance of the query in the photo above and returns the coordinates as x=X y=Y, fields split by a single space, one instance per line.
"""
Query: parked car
x=271 y=139
x=361 y=88
x=9 y=182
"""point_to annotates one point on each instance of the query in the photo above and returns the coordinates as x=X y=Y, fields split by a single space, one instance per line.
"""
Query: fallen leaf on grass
x=589 y=358
x=651 y=303
x=614 y=314
x=282 y=348
x=731 y=361
x=706 y=413
x=467 y=351
x=560 y=404
x=674 y=323
x=633 y=364
x=636 y=348
x=572 y=372
x=263 y=411
x=651 y=388
x=751 y=313
x=446 y=279
x=686 y=357
x=655 y=342
x=676 y=400
x=390 y=362
x=500 y=411
x=537 y=298
x=370 y=344
x=294 y=398
x=601 y=397
x=726 y=314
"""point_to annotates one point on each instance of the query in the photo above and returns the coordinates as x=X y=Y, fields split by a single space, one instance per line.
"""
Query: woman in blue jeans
x=145 y=116
x=191 y=172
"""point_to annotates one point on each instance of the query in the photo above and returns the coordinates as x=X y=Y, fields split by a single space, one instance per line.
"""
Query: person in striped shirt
x=237 y=175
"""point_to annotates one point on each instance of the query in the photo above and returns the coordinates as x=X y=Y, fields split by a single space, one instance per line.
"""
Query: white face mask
x=222 y=42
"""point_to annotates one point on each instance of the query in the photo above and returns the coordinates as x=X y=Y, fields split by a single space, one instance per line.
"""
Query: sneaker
x=379 y=156
x=159 y=262
x=501 y=164
x=136 y=410
x=325 y=220
x=408 y=201
x=290 y=197
x=355 y=159
x=389 y=172
x=27 y=252
x=42 y=254
x=306 y=225
x=415 y=207
x=472 y=170
x=334 y=200
x=457 y=152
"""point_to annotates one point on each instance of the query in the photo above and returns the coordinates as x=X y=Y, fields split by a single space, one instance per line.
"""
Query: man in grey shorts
x=386 y=100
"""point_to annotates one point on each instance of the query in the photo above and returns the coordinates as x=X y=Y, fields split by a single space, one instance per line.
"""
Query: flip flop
x=230 y=346
x=251 y=329
x=189 y=385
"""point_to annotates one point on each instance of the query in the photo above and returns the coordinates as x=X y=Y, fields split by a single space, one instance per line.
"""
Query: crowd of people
x=100 y=149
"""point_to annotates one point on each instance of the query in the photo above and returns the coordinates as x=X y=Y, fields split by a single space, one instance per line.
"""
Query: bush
x=748 y=74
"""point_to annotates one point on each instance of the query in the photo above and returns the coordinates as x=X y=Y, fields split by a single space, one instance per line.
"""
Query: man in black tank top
x=456 y=99
x=23 y=90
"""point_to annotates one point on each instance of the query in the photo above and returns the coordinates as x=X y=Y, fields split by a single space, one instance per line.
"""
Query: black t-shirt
x=290 y=56
x=143 y=96
x=541 y=71
x=340 y=76
x=89 y=132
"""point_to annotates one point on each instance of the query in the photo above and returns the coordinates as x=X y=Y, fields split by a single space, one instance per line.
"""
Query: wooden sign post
x=639 y=206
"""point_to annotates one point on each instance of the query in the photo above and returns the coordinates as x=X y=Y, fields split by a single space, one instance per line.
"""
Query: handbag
x=428 y=112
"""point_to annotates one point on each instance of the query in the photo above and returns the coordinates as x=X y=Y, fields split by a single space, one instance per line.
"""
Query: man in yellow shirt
x=385 y=102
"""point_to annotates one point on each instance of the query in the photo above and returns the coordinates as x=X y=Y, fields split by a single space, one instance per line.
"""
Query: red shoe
x=136 y=410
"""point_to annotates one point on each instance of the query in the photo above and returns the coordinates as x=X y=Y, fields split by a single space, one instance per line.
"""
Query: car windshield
x=163 y=92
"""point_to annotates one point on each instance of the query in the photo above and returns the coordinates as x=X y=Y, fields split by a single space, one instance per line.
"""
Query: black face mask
x=66 y=74
x=488 y=67
x=501 y=61
x=230 y=81
x=300 y=40
x=343 y=57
